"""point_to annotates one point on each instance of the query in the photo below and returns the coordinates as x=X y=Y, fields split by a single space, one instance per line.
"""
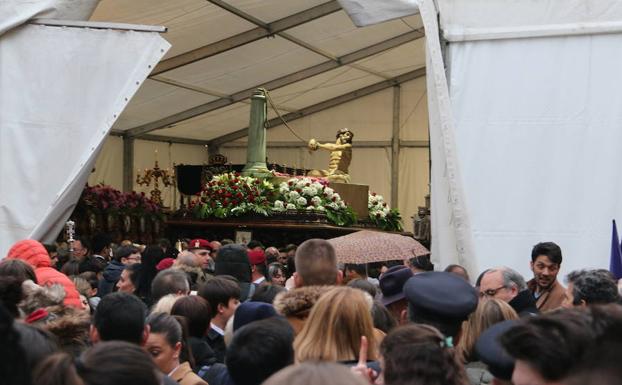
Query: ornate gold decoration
x=167 y=176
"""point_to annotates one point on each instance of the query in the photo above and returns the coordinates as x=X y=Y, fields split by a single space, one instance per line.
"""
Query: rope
x=281 y=117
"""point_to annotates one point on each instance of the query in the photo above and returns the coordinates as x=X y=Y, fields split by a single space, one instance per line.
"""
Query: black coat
x=524 y=304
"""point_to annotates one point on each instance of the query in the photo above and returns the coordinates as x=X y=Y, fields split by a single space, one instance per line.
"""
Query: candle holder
x=154 y=175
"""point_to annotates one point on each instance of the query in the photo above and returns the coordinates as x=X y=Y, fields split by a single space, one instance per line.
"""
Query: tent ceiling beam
x=161 y=138
x=205 y=91
x=326 y=104
x=277 y=83
x=289 y=37
x=247 y=37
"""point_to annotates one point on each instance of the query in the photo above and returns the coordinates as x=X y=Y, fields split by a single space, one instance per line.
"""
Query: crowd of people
x=221 y=313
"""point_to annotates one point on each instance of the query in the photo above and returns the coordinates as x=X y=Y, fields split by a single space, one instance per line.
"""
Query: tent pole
x=128 y=164
x=395 y=147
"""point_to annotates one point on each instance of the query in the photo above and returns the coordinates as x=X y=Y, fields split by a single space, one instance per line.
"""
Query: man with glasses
x=508 y=285
x=123 y=256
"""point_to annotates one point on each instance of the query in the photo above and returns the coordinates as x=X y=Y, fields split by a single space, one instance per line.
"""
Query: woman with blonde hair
x=488 y=313
x=333 y=331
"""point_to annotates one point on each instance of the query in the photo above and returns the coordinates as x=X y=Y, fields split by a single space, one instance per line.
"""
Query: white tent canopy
x=322 y=72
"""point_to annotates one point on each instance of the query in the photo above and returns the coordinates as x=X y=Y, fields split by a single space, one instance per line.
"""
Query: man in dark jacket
x=125 y=255
x=508 y=285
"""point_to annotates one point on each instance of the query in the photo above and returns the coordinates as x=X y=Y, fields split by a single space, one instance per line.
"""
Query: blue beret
x=248 y=312
x=490 y=351
x=441 y=294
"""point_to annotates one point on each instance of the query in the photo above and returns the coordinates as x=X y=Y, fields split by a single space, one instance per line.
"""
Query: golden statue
x=340 y=157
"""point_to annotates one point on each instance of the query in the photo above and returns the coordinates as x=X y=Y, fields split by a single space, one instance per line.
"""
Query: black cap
x=489 y=350
x=233 y=260
x=392 y=283
x=249 y=312
x=441 y=294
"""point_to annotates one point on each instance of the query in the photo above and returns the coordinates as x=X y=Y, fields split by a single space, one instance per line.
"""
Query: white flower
x=310 y=207
x=336 y=195
x=283 y=190
x=294 y=195
x=310 y=191
x=302 y=201
x=320 y=208
x=284 y=185
x=342 y=204
x=316 y=200
x=329 y=191
x=333 y=206
x=290 y=206
x=278 y=205
x=317 y=186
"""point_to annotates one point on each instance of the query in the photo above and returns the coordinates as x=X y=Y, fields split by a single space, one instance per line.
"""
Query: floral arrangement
x=231 y=194
x=382 y=215
x=106 y=199
x=138 y=203
x=102 y=198
x=309 y=194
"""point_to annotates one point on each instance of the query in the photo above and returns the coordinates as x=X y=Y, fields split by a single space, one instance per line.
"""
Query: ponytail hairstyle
x=107 y=363
x=175 y=330
x=420 y=354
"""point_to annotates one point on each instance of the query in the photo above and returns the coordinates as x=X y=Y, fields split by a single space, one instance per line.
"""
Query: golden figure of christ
x=340 y=157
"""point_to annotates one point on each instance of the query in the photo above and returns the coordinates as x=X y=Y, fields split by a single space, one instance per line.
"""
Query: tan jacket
x=550 y=299
x=185 y=376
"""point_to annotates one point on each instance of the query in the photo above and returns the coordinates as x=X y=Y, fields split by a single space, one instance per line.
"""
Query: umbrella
x=375 y=246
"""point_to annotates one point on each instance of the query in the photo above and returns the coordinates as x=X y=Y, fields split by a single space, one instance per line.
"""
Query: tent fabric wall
x=168 y=155
x=53 y=128
x=109 y=164
x=536 y=128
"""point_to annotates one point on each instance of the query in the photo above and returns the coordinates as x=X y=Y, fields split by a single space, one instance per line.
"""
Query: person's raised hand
x=361 y=368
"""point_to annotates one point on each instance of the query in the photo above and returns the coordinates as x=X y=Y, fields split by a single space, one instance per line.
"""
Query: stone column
x=256 y=147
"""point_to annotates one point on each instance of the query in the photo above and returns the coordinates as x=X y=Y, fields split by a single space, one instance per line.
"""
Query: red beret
x=256 y=257
x=199 y=244
x=165 y=264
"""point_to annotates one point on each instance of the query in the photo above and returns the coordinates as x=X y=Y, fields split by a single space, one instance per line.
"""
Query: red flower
x=228 y=195
x=334 y=199
x=251 y=199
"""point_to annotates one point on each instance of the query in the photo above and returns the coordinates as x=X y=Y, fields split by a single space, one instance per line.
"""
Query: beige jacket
x=185 y=376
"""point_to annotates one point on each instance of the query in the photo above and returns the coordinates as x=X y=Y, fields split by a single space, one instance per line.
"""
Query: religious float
x=279 y=205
